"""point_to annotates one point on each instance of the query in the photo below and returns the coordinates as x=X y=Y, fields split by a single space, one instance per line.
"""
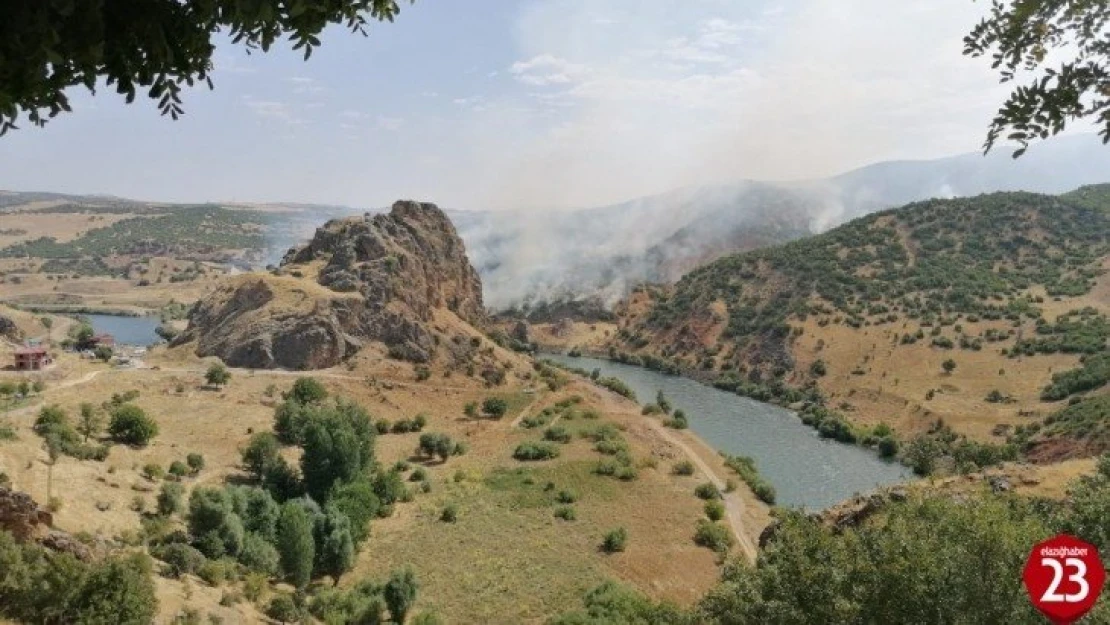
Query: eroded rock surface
x=377 y=278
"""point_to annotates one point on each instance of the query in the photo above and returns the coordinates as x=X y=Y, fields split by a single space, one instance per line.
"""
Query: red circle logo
x=1064 y=577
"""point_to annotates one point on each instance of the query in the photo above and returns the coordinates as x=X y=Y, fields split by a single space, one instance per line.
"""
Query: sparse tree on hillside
x=400 y=594
x=1063 y=46
x=495 y=407
x=130 y=425
x=217 y=375
x=91 y=421
x=949 y=365
x=156 y=49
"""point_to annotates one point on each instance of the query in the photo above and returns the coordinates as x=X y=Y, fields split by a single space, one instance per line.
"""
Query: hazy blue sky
x=540 y=103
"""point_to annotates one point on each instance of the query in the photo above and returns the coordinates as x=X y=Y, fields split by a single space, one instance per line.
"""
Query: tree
x=118 y=590
x=295 y=544
x=615 y=540
x=103 y=353
x=331 y=454
x=260 y=452
x=336 y=552
x=400 y=594
x=357 y=500
x=307 y=391
x=53 y=445
x=215 y=527
x=1029 y=35
x=217 y=374
x=195 y=462
x=131 y=426
x=949 y=365
x=91 y=421
x=159 y=50
x=171 y=499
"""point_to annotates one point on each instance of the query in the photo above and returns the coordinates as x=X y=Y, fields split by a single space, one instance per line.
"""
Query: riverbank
x=807 y=471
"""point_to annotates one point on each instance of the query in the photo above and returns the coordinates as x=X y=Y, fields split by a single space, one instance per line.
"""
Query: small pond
x=127 y=330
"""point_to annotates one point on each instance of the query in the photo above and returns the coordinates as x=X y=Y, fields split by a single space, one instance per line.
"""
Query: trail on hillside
x=734 y=505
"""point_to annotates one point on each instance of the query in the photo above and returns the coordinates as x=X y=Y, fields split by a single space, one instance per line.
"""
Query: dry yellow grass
x=507 y=559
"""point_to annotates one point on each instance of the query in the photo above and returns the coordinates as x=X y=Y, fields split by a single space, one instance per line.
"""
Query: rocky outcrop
x=24 y=519
x=9 y=329
x=378 y=278
x=21 y=516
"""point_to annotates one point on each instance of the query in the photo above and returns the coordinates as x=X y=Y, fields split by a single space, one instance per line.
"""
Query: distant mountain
x=530 y=256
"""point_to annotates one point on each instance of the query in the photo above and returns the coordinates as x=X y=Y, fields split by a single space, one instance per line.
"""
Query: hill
x=861 y=321
x=545 y=255
x=379 y=278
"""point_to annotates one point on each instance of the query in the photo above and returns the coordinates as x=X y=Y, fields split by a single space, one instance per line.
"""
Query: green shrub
x=565 y=513
x=538 y=450
x=180 y=559
x=683 y=467
x=566 y=496
x=558 y=434
x=707 y=491
x=615 y=540
x=714 y=510
x=714 y=536
x=495 y=407
x=178 y=469
x=450 y=513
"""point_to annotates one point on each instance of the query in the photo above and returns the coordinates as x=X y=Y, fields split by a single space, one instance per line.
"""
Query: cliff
x=360 y=279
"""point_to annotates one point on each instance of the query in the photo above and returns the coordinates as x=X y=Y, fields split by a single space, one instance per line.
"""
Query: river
x=127 y=330
x=806 y=471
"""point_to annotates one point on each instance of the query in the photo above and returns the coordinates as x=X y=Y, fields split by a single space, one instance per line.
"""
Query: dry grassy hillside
x=856 y=326
x=507 y=557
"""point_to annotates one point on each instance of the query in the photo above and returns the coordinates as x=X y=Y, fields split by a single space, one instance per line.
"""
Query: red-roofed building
x=106 y=340
x=32 y=358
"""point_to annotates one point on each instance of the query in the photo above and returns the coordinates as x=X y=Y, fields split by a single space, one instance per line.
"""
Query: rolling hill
x=976 y=317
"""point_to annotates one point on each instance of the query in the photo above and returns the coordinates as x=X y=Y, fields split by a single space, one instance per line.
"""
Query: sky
x=542 y=104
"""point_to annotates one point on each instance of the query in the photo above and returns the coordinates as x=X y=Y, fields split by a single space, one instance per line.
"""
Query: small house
x=32 y=358
x=102 y=340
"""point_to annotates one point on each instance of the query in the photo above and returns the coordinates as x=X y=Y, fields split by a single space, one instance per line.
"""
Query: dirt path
x=734 y=505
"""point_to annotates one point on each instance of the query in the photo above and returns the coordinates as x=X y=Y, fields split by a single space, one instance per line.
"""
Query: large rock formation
x=378 y=278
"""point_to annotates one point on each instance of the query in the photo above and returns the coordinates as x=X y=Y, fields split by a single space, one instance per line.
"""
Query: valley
x=522 y=461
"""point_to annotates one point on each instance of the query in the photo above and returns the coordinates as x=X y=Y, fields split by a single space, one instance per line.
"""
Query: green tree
x=261 y=451
x=171 y=498
x=118 y=590
x=307 y=391
x=130 y=425
x=295 y=544
x=91 y=421
x=215 y=527
x=356 y=500
x=1062 y=46
x=217 y=374
x=948 y=365
x=335 y=554
x=158 y=51
x=195 y=462
x=400 y=594
x=103 y=353
x=331 y=454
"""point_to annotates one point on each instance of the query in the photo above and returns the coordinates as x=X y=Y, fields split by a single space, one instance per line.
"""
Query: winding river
x=807 y=471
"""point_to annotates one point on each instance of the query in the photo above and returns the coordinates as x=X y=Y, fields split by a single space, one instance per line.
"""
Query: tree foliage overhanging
x=156 y=46
x=1028 y=36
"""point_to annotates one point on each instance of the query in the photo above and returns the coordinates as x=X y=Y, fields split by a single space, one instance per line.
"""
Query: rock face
x=378 y=278
x=9 y=329
x=21 y=516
